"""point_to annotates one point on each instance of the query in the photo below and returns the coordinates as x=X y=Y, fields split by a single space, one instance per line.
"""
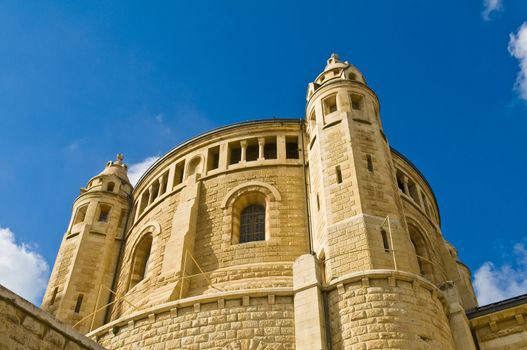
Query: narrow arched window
x=252 y=223
x=422 y=253
x=141 y=259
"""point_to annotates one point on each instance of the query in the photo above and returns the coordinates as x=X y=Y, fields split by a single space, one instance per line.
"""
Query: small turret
x=87 y=259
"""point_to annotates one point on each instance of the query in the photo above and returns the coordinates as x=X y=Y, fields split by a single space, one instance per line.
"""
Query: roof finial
x=120 y=158
x=335 y=56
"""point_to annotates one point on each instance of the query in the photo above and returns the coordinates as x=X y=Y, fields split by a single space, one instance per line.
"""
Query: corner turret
x=87 y=260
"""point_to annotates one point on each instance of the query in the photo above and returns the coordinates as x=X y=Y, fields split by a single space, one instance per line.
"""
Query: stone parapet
x=25 y=326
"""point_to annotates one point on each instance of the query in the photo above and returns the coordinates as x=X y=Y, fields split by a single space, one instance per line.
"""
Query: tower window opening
x=144 y=201
x=252 y=223
x=339 y=174
x=400 y=180
x=164 y=182
x=291 y=148
x=78 y=304
x=179 y=171
x=80 y=215
x=385 y=241
x=54 y=296
x=110 y=186
x=104 y=212
x=352 y=76
x=425 y=203
x=370 y=163
x=122 y=218
x=318 y=202
x=270 y=148
x=330 y=104
x=356 y=102
x=421 y=252
x=154 y=190
x=414 y=192
x=213 y=158
x=141 y=260
x=194 y=166
x=235 y=153
x=251 y=151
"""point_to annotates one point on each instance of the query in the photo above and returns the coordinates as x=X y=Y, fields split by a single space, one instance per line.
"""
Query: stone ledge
x=391 y=276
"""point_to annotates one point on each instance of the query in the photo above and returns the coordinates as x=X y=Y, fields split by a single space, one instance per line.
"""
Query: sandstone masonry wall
x=24 y=326
x=240 y=323
x=388 y=313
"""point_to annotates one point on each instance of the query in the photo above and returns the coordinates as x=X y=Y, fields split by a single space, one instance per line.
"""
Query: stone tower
x=381 y=275
x=86 y=263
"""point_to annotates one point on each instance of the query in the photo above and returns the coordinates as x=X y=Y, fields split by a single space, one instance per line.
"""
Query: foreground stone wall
x=240 y=323
x=24 y=326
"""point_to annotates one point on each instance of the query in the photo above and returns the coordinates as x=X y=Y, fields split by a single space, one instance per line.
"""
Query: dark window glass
x=78 y=303
x=251 y=153
x=291 y=150
x=252 y=223
x=270 y=150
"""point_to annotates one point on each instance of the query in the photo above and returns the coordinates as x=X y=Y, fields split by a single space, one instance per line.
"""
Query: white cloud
x=490 y=6
x=22 y=270
x=518 y=49
x=135 y=171
x=494 y=283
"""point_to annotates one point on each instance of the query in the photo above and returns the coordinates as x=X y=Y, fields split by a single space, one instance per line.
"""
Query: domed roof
x=334 y=62
x=116 y=168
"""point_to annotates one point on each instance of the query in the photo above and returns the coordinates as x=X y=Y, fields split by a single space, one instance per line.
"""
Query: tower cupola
x=113 y=178
x=335 y=70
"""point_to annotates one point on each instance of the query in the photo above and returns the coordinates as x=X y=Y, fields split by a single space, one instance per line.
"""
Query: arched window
x=80 y=215
x=422 y=253
x=194 y=167
x=249 y=218
x=252 y=223
x=140 y=261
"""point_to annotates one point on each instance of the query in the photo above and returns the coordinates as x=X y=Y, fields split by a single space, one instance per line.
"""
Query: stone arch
x=141 y=259
x=259 y=186
x=422 y=249
x=152 y=227
x=253 y=193
x=195 y=166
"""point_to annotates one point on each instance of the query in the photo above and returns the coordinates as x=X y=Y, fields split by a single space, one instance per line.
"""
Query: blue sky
x=81 y=81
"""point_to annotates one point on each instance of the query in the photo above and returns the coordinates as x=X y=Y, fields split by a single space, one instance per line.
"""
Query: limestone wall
x=24 y=326
x=241 y=322
x=390 y=311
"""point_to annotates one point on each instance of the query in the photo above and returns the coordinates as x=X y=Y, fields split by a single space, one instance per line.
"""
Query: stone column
x=459 y=323
x=160 y=190
x=243 y=145
x=261 y=144
x=309 y=307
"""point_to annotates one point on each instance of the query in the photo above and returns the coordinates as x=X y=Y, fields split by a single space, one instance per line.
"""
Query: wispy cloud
x=490 y=6
x=518 y=49
x=493 y=283
x=22 y=270
x=135 y=171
